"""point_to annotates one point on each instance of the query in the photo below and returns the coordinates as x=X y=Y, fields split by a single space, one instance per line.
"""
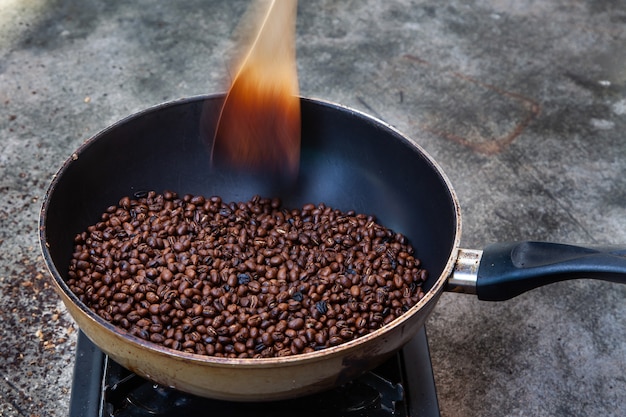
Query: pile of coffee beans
x=249 y=279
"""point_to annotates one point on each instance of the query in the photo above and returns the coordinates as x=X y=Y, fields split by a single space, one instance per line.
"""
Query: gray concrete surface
x=522 y=102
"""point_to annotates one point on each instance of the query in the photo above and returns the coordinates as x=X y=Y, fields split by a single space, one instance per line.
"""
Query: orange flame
x=259 y=125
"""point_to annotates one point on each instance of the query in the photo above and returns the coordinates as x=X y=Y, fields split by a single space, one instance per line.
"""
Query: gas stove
x=402 y=386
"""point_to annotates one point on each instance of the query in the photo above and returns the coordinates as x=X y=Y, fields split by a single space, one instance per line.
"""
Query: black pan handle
x=505 y=270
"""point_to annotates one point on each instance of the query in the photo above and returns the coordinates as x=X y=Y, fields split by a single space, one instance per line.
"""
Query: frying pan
x=349 y=161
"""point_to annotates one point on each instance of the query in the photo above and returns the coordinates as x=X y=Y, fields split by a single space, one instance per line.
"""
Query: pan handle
x=505 y=270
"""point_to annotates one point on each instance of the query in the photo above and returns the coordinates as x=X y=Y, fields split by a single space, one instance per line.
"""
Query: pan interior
x=349 y=161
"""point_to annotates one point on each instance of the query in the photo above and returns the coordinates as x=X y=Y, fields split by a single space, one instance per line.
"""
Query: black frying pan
x=349 y=161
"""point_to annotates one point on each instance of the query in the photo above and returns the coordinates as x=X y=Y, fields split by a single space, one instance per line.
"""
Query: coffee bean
x=355 y=291
x=335 y=340
x=248 y=279
x=296 y=324
x=321 y=307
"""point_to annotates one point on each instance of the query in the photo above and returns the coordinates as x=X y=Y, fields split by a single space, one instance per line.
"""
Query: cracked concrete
x=522 y=103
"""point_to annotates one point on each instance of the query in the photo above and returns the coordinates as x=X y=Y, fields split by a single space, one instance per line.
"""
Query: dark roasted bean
x=322 y=307
x=267 y=339
x=320 y=339
x=335 y=340
x=243 y=278
x=296 y=324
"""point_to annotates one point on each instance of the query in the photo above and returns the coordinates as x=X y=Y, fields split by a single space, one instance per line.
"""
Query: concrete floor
x=522 y=102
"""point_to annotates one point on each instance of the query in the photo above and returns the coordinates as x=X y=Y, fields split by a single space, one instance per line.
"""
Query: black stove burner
x=133 y=396
x=402 y=386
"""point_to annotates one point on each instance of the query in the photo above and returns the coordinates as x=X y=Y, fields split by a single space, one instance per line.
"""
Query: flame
x=259 y=124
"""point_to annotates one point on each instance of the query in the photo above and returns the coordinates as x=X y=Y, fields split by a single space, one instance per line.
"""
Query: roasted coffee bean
x=322 y=307
x=335 y=340
x=242 y=279
x=296 y=324
x=297 y=345
x=254 y=321
x=267 y=339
